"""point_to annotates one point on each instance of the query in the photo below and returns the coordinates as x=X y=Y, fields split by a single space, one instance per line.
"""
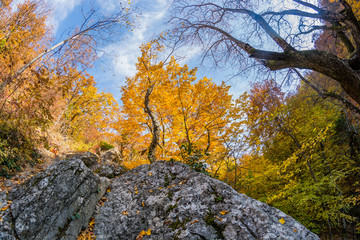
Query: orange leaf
x=223 y=212
x=195 y=221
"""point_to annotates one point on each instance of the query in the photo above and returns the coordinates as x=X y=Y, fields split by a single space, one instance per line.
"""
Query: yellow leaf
x=282 y=221
x=160 y=188
x=223 y=212
x=125 y=212
x=137 y=212
x=143 y=204
x=4 y=208
x=150 y=174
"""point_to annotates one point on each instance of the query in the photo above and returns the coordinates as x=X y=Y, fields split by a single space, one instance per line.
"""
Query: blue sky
x=119 y=57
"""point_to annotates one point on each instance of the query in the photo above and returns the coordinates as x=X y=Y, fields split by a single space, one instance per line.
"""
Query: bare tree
x=223 y=28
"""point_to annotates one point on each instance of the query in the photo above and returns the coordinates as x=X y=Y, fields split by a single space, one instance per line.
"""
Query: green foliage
x=304 y=156
x=193 y=157
x=104 y=146
x=15 y=150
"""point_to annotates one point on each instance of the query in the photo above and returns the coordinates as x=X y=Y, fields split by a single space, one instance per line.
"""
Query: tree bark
x=156 y=126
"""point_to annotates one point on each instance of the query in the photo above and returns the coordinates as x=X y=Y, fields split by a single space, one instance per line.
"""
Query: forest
x=292 y=141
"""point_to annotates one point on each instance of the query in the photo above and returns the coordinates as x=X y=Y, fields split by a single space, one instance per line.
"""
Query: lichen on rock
x=175 y=202
x=56 y=203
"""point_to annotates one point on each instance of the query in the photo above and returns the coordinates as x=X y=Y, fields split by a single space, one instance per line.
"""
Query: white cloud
x=126 y=52
x=62 y=8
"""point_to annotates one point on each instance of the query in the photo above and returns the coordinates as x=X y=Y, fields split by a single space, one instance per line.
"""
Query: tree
x=302 y=158
x=165 y=101
x=214 y=25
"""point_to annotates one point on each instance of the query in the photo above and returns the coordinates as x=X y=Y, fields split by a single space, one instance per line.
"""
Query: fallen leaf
x=143 y=233
x=125 y=212
x=150 y=191
x=143 y=204
x=294 y=230
x=223 y=212
x=150 y=174
x=281 y=220
x=136 y=192
x=182 y=182
x=195 y=221
x=219 y=218
x=160 y=188
x=171 y=186
x=137 y=212
x=4 y=208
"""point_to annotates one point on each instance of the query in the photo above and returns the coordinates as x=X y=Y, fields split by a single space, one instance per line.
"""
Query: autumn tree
x=295 y=159
x=214 y=24
x=189 y=113
x=35 y=86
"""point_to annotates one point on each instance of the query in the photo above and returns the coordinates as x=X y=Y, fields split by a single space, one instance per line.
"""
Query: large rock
x=170 y=201
x=6 y=229
x=111 y=155
x=56 y=203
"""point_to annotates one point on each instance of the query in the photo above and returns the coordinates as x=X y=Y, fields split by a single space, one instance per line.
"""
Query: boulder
x=56 y=203
x=6 y=230
x=90 y=160
x=171 y=201
x=111 y=155
x=107 y=168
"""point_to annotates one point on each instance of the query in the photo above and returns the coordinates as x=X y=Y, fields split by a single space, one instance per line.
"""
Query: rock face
x=111 y=155
x=160 y=201
x=56 y=203
x=170 y=201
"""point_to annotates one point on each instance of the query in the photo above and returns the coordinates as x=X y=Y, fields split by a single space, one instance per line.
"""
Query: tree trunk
x=156 y=126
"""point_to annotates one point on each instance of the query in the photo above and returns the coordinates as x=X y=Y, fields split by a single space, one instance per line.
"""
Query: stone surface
x=56 y=203
x=111 y=155
x=175 y=202
x=109 y=170
x=6 y=231
x=90 y=160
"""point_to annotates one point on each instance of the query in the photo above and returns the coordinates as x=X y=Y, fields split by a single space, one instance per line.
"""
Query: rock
x=6 y=231
x=171 y=201
x=90 y=160
x=109 y=170
x=111 y=155
x=57 y=203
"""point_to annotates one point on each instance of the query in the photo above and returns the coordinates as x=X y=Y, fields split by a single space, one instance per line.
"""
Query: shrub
x=105 y=146
x=15 y=150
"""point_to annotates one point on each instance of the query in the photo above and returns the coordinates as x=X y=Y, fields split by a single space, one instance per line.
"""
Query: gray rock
x=176 y=202
x=111 y=155
x=109 y=170
x=90 y=160
x=6 y=231
x=56 y=203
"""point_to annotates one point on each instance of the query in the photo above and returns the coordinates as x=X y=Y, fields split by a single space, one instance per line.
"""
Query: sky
x=118 y=58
